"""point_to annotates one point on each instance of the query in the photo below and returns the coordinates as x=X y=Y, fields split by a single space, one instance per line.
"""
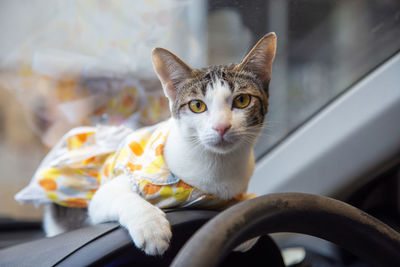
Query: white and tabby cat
x=217 y=115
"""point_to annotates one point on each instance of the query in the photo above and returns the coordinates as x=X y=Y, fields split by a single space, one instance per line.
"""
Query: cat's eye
x=197 y=106
x=241 y=101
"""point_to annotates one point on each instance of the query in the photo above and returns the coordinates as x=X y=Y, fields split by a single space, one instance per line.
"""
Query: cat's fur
x=212 y=151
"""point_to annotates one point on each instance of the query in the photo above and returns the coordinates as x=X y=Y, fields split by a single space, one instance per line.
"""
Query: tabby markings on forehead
x=223 y=75
x=193 y=85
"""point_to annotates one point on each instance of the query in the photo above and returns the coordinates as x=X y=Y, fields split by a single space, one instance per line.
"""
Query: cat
x=217 y=115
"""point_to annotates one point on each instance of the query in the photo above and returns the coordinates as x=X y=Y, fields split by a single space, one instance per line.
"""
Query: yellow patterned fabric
x=87 y=157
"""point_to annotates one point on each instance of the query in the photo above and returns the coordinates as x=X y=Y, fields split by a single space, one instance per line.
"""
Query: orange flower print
x=88 y=161
x=92 y=173
x=184 y=185
x=106 y=170
x=136 y=148
x=134 y=167
x=74 y=202
x=150 y=189
x=159 y=150
x=78 y=140
x=48 y=184
x=83 y=136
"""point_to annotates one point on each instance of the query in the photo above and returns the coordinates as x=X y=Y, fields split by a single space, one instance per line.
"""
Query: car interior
x=327 y=172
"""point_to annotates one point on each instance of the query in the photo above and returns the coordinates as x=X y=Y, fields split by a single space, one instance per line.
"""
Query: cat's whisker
x=268 y=121
x=267 y=135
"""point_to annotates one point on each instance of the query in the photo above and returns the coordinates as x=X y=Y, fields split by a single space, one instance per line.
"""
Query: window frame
x=351 y=136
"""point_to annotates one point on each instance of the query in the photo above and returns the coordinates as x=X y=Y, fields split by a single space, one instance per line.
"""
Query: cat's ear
x=259 y=59
x=170 y=70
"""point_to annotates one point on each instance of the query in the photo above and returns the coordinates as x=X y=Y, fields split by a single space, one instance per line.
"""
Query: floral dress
x=87 y=157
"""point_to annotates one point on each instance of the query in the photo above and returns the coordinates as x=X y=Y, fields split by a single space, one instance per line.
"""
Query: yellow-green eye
x=197 y=106
x=241 y=101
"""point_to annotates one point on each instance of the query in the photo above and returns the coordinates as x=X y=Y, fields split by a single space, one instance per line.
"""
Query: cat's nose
x=222 y=128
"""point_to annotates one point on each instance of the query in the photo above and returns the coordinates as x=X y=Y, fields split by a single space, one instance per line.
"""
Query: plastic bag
x=88 y=62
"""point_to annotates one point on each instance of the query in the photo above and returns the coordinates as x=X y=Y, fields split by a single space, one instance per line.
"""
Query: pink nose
x=222 y=128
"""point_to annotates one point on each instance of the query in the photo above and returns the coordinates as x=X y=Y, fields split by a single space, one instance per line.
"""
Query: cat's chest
x=224 y=177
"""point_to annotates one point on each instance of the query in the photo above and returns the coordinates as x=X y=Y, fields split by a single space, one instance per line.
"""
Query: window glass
x=70 y=63
x=324 y=47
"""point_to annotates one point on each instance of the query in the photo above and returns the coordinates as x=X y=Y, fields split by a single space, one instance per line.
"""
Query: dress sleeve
x=70 y=173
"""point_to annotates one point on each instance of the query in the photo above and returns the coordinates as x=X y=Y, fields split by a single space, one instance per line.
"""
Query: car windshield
x=69 y=63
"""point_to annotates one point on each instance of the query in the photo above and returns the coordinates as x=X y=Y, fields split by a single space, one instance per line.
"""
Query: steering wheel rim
x=323 y=217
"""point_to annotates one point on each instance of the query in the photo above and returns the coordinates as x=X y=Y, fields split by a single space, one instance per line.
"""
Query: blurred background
x=70 y=63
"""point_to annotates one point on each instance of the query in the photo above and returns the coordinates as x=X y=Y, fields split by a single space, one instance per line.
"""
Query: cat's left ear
x=259 y=59
x=171 y=71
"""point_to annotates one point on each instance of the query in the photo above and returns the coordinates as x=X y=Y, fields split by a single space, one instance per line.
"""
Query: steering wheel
x=323 y=217
x=109 y=244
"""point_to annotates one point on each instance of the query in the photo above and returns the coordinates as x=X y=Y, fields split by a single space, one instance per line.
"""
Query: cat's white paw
x=245 y=246
x=97 y=215
x=151 y=233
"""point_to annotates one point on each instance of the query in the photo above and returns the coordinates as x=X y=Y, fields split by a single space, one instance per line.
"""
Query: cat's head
x=220 y=107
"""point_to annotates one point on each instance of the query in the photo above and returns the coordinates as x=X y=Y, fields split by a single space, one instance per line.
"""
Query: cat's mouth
x=220 y=145
x=222 y=142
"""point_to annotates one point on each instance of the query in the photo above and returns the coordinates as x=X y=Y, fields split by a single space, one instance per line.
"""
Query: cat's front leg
x=147 y=224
